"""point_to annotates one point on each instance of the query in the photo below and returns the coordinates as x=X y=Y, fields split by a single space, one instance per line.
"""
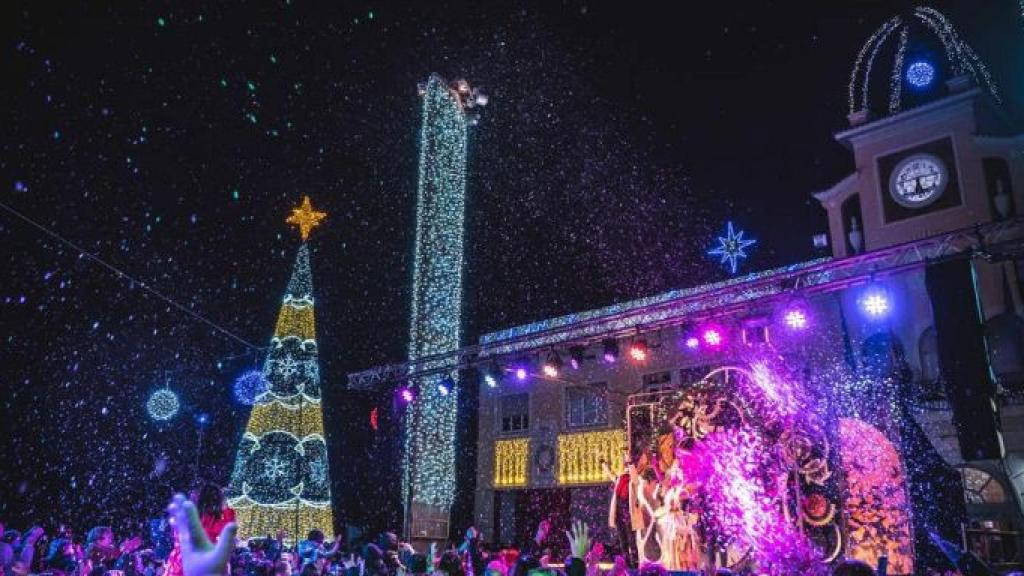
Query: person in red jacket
x=214 y=515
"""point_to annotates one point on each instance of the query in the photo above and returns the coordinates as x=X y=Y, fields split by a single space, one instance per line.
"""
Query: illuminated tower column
x=281 y=480
x=435 y=326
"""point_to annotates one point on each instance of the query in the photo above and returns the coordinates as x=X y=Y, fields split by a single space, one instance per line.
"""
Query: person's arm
x=431 y=557
x=607 y=469
x=475 y=556
x=28 y=548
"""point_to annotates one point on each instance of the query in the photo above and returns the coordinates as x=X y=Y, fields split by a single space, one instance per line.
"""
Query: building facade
x=932 y=205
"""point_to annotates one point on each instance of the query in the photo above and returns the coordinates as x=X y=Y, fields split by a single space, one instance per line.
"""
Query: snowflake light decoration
x=287 y=366
x=732 y=247
x=274 y=468
x=162 y=405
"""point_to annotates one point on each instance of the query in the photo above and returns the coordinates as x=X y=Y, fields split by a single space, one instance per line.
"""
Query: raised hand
x=33 y=535
x=579 y=539
x=199 y=557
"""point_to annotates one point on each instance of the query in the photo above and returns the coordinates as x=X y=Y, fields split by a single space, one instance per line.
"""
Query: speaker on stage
x=963 y=358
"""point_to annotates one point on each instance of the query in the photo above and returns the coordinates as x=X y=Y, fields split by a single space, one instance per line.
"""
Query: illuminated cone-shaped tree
x=280 y=479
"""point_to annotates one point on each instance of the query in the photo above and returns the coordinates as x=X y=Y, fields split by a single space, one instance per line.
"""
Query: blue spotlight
x=875 y=303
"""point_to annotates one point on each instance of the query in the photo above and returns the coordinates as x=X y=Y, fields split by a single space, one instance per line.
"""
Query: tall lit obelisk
x=435 y=326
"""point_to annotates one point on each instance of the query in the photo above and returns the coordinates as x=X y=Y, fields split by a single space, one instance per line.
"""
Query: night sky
x=172 y=140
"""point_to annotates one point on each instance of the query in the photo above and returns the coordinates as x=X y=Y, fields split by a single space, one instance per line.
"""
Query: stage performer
x=677 y=523
x=625 y=514
x=214 y=515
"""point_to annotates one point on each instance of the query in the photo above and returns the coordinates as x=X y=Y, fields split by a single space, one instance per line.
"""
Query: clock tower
x=935 y=151
x=938 y=154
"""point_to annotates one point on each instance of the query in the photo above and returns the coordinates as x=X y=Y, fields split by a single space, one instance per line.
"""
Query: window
x=657 y=381
x=586 y=405
x=981 y=488
x=514 y=411
x=693 y=374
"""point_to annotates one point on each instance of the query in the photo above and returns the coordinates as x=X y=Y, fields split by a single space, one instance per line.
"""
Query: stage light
x=520 y=373
x=611 y=350
x=576 y=357
x=795 y=318
x=920 y=74
x=713 y=337
x=406 y=394
x=692 y=342
x=875 y=303
x=492 y=375
x=638 y=350
x=553 y=365
x=444 y=387
x=202 y=419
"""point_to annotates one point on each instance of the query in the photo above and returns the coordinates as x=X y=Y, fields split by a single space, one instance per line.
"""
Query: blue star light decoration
x=731 y=248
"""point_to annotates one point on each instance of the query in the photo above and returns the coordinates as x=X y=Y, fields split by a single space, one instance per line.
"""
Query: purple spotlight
x=520 y=373
x=713 y=337
x=692 y=342
x=406 y=394
x=796 y=319
x=875 y=304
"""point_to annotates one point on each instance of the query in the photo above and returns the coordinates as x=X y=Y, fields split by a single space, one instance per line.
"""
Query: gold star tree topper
x=305 y=218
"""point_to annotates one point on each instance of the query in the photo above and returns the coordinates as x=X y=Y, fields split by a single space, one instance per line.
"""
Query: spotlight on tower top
x=467 y=96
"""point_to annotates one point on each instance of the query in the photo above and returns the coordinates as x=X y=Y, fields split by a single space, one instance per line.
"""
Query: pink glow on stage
x=692 y=342
x=713 y=337
x=732 y=467
x=780 y=397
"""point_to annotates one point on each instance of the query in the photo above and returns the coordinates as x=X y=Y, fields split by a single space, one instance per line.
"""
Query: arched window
x=928 y=354
x=1006 y=345
x=981 y=488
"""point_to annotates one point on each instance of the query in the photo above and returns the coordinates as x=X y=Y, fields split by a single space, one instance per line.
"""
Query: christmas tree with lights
x=281 y=478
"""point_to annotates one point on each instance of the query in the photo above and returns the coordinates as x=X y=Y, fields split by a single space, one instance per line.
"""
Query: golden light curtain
x=511 y=459
x=580 y=455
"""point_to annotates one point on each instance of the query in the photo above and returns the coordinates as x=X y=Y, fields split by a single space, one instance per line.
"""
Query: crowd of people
x=204 y=544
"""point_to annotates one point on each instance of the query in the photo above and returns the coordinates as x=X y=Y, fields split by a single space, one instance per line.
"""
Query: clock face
x=918 y=180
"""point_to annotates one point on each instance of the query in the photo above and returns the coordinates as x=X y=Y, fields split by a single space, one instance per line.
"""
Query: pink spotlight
x=713 y=337
x=406 y=395
x=796 y=319
x=520 y=373
x=692 y=342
